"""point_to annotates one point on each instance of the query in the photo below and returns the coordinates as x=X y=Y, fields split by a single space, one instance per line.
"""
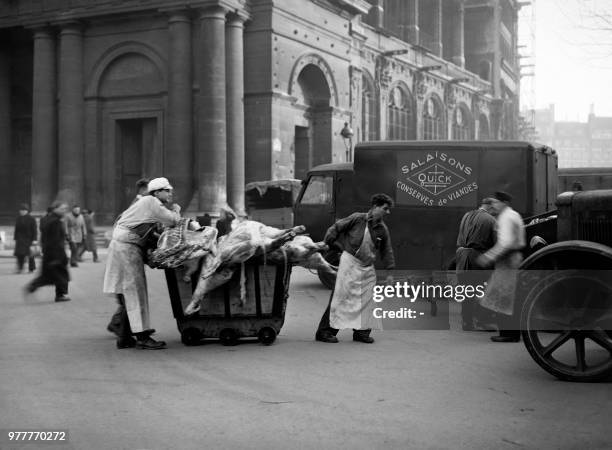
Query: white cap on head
x=158 y=183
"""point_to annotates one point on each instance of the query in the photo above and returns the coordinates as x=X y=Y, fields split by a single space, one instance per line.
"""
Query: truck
x=433 y=183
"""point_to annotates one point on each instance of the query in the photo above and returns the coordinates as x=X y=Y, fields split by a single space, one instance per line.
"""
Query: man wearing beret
x=506 y=255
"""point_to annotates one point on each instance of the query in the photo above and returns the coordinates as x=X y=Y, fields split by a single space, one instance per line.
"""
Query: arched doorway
x=313 y=136
x=126 y=96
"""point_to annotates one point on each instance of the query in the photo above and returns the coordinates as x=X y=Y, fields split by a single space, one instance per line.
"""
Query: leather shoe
x=150 y=344
x=505 y=339
x=329 y=338
x=62 y=298
x=363 y=338
x=113 y=328
x=128 y=342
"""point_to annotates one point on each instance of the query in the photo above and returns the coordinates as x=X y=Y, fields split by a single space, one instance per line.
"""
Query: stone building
x=95 y=94
x=578 y=144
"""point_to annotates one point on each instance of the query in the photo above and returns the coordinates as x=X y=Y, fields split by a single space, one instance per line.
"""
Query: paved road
x=421 y=389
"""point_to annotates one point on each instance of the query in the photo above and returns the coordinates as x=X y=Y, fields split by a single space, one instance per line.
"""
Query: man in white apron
x=124 y=276
x=507 y=256
x=359 y=236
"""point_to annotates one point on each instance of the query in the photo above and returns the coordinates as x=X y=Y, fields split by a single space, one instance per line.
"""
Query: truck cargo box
x=433 y=183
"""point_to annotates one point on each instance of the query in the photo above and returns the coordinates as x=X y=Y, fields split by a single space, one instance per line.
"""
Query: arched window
x=433 y=120
x=399 y=115
x=369 y=111
x=483 y=128
x=462 y=124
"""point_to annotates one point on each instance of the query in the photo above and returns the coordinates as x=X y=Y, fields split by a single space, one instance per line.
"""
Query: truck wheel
x=565 y=326
x=329 y=279
x=191 y=336
x=227 y=336
x=266 y=335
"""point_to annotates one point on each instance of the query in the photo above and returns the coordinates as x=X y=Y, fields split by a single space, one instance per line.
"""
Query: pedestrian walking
x=90 y=238
x=506 y=255
x=25 y=236
x=124 y=276
x=476 y=236
x=77 y=233
x=360 y=237
x=54 y=268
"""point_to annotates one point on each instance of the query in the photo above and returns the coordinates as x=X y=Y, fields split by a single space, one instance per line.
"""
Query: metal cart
x=225 y=313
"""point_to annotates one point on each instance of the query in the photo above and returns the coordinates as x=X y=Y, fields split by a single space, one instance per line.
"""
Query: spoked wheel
x=327 y=278
x=565 y=325
x=266 y=335
x=191 y=336
x=227 y=336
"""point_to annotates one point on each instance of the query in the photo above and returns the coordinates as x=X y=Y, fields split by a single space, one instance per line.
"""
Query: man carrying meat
x=359 y=236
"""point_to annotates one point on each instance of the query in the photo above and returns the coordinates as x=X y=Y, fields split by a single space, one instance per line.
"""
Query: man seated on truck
x=507 y=256
x=359 y=236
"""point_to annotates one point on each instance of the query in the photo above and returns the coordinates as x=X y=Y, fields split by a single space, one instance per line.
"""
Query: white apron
x=125 y=274
x=352 y=305
x=501 y=288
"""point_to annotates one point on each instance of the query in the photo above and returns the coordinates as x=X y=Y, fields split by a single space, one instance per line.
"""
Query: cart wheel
x=266 y=335
x=564 y=325
x=228 y=336
x=191 y=336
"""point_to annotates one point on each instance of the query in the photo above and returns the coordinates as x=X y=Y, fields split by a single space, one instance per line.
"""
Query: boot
x=144 y=341
x=363 y=336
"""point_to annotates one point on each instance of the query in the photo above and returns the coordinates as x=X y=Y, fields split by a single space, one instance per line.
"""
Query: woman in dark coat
x=25 y=234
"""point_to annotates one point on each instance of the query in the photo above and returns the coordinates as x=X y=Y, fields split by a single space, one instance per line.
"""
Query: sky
x=573 y=58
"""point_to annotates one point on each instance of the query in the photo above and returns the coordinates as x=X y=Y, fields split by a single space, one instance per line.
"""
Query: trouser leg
x=31 y=264
x=36 y=283
x=20 y=262
x=73 y=253
x=324 y=326
x=123 y=322
x=467 y=314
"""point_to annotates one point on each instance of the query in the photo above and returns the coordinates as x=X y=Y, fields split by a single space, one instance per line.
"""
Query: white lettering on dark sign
x=437 y=179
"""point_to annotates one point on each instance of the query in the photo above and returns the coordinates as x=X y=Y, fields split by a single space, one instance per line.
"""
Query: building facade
x=578 y=144
x=217 y=93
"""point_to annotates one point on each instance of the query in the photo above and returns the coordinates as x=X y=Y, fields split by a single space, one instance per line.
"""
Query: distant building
x=95 y=94
x=578 y=144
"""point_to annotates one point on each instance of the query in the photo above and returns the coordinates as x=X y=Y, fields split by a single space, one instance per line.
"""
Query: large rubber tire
x=561 y=323
x=328 y=279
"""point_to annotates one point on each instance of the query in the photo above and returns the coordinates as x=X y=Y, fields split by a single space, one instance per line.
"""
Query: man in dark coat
x=476 y=236
x=25 y=234
x=55 y=261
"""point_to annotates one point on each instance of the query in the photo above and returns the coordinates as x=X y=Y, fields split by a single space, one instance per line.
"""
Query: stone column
x=458 y=57
x=235 y=112
x=412 y=30
x=5 y=125
x=376 y=14
x=212 y=142
x=71 y=114
x=178 y=151
x=496 y=64
x=437 y=28
x=44 y=121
